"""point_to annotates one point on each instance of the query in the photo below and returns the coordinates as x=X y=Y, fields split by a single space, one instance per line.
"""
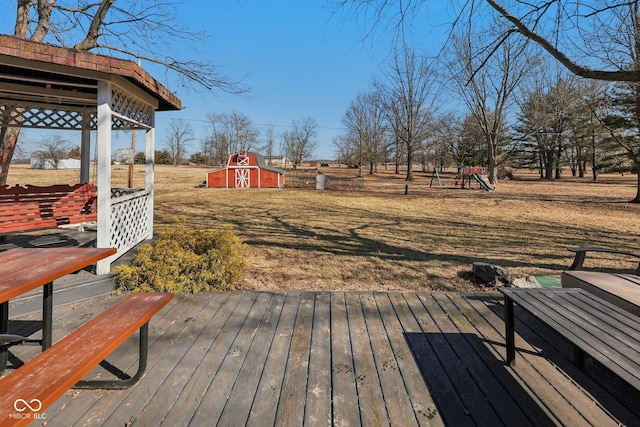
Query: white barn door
x=242 y=178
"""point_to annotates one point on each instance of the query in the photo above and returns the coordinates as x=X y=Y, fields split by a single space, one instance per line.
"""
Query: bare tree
x=487 y=85
x=207 y=149
x=231 y=133
x=269 y=144
x=299 y=141
x=407 y=95
x=449 y=135
x=596 y=39
x=177 y=140
x=134 y=28
x=606 y=47
x=364 y=121
x=52 y=149
x=346 y=150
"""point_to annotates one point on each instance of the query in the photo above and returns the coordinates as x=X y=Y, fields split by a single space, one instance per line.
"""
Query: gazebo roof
x=31 y=72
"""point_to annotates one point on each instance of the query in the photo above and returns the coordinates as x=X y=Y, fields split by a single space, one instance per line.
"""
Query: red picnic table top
x=24 y=269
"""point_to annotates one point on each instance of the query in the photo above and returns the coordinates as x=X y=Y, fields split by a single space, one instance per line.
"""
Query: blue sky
x=298 y=61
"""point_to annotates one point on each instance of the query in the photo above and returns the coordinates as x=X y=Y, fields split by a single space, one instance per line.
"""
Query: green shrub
x=184 y=259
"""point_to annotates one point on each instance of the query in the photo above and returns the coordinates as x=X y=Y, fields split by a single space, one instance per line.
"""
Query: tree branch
x=91 y=39
x=579 y=70
x=202 y=74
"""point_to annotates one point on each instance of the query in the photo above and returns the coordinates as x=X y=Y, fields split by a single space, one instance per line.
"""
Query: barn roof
x=262 y=163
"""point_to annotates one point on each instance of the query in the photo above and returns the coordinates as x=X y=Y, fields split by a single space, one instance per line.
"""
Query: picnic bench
x=30 y=207
x=30 y=389
x=581 y=254
x=607 y=333
x=61 y=365
x=620 y=289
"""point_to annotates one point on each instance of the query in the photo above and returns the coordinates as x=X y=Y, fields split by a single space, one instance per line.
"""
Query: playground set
x=465 y=176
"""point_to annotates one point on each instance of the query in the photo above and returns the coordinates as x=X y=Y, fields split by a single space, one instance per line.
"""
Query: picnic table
x=34 y=386
x=607 y=333
x=25 y=269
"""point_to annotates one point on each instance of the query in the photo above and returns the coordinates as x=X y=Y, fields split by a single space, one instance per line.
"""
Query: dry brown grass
x=379 y=238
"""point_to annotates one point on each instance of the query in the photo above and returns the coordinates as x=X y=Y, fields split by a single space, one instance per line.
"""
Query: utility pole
x=132 y=158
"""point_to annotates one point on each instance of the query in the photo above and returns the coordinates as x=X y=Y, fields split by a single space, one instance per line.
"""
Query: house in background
x=40 y=160
x=279 y=161
x=246 y=170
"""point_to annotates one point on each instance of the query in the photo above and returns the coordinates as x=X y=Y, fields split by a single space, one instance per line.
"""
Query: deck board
x=294 y=384
x=366 y=348
x=238 y=406
x=343 y=379
x=404 y=323
x=342 y=358
x=265 y=404
x=219 y=390
x=318 y=396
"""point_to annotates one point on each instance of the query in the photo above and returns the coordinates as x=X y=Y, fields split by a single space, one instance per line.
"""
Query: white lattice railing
x=130 y=220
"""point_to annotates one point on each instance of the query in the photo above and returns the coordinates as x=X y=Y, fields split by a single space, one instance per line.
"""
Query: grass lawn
x=379 y=238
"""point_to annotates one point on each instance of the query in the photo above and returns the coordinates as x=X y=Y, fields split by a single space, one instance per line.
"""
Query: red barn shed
x=246 y=170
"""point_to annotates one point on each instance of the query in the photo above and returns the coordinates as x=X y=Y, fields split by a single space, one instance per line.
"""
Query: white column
x=85 y=147
x=103 y=145
x=150 y=156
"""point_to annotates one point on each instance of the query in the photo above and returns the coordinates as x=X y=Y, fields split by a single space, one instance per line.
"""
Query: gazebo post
x=150 y=171
x=85 y=147
x=103 y=145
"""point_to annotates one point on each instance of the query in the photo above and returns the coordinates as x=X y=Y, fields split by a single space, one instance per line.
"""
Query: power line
x=258 y=124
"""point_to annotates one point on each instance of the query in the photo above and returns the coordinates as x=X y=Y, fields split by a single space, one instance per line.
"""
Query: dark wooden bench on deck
x=581 y=254
x=32 y=207
x=46 y=377
x=620 y=289
x=607 y=333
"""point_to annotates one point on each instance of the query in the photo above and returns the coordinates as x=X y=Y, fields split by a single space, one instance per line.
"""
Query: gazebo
x=49 y=87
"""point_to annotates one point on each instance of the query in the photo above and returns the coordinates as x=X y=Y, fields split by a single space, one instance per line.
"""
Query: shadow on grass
x=353 y=242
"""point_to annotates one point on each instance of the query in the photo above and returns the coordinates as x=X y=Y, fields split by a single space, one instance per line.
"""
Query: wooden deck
x=343 y=359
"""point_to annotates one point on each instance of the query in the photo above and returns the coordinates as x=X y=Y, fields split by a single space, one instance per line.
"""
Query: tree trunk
x=637 y=198
x=44 y=20
x=9 y=136
x=540 y=164
x=397 y=157
x=593 y=157
x=8 y=140
x=558 y=160
x=409 y=163
x=492 y=160
x=22 y=18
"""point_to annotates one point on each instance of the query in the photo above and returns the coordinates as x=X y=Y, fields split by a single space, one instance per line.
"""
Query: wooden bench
x=30 y=389
x=32 y=207
x=581 y=254
x=622 y=290
x=609 y=334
